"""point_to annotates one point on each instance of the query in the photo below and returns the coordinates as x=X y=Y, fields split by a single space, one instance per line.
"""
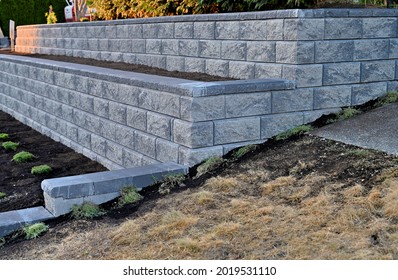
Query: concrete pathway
x=376 y=129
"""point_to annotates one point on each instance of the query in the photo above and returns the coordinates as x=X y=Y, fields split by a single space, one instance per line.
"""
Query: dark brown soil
x=23 y=189
x=127 y=67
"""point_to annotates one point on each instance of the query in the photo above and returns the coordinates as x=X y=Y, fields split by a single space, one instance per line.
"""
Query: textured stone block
x=364 y=92
x=68 y=187
x=193 y=135
x=60 y=206
x=210 y=49
x=292 y=100
x=334 y=51
x=127 y=95
x=304 y=75
x=101 y=107
x=311 y=116
x=95 y=87
x=109 y=90
x=150 y=30
x=241 y=70
x=125 y=136
x=236 y=130
x=188 y=47
x=170 y=47
x=192 y=64
x=191 y=157
x=166 y=30
x=343 y=28
x=204 y=30
x=161 y=102
x=166 y=151
x=331 y=97
x=261 y=51
x=272 y=125
x=159 y=125
x=135 y=31
x=145 y=144
x=154 y=46
x=183 y=30
x=295 y=52
x=138 y=46
x=136 y=118
x=175 y=63
x=203 y=108
x=392 y=86
x=217 y=67
x=234 y=50
x=253 y=30
x=374 y=71
x=371 y=49
x=393 y=53
x=107 y=129
x=131 y=158
x=227 y=30
x=341 y=73
x=117 y=112
x=114 y=152
x=303 y=29
x=248 y=104
x=379 y=27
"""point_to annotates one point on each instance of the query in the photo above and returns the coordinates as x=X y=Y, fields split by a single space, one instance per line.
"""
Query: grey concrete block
x=217 y=67
x=343 y=28
x=332 y=97
x=295 y=52
x=68 y=187
x=261 y=51
x=248 y=104
x=154 y=46
x=227 y=30
x=122 y=31
x=253 y=30
x=371 y=49
x=236 y=130
x=272 y=125
x=103 y=44
x=145 y=144
x=393 y=50
x=210 y=48
x=375 y=71
x=365 y=92
x=183 y=30
x=166 y=151
x=379 y=27
x=114 y=152
x=129 y=58
x=109 y=90
x=11 y=221
x=191 y=157
x=131 y=158
x=125 y=136
x=170 y=47
x=304 y=75
x=341 y=73
x=392 y=86
x=193 y=135
x=136 y=118
x=60 y=206
x=203 y=108
x=107 y=129
x=303 y=29
x=334 y=51
x=127 y=95
x=83 y=137
x=192 y=64
x=311 y=116
x=135 y=31
x=204 y=30
x=166 y=30
x=292 y=100
x=267 y=70
x=234 y=50
x=188 y=48
x=162 y=102
x=241 y=70
x=117 y=112
x=101 y=198
x=95 y=87
x=138 y=46
x=150 y=30
x=175 y=63
x=159 y=125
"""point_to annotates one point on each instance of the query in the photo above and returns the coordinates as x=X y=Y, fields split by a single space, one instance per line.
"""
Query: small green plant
x=41 y=169
x=33 y=231
x=298 y=130
x=87 y=210
x=210 y=164
x=129 y=195
x=345 y=114
x=390 y=97
x=4 y=136
x=358 y=152
x=10 y=146
x=243 y=150
x=50 y=16
x=2 y=242
x=23 y=157
x=2 y=195
x=170 y=182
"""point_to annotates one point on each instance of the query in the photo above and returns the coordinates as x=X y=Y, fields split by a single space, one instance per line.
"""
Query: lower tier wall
x=125 y=119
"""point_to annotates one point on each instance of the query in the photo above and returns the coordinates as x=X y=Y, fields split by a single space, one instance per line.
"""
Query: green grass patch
x=35 y=230
x=209 y=165
x=23 y=157
x=344 y=114
x=358 y=153
x=87 y=210
x=41 y=169
x=10 y=146
x=129 y=195
x=243 y=150
x=170 y=182
x=390 y=97
x=2 y=195
x=4 y=136
x=298 y=130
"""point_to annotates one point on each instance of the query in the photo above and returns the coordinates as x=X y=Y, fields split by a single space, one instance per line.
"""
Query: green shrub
x=50 y=16
x=10 y=146
x=210 y=164
x=33 y=231
x=129 y=195
x=390 y=97
x=4 y=136
x=41 y=169
x=345 y=114
x=243 y=150
x=23 y=157
x=87 y=210
x=298 y=130
x=2 y=195
x=170 y=182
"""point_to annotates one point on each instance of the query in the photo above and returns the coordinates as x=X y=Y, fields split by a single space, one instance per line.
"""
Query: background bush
x=28 y=12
